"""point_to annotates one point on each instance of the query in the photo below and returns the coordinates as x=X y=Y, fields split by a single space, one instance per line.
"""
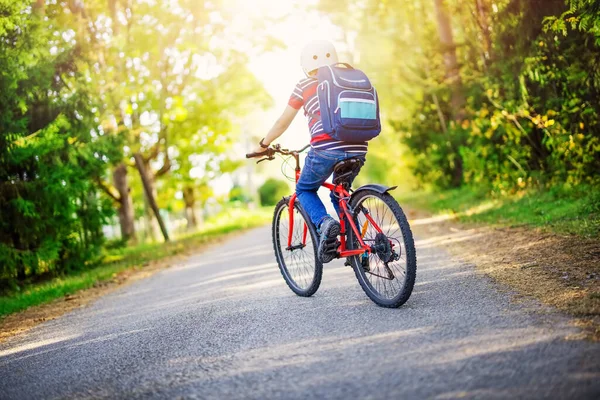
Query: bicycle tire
x=409 y=250
x=311 y=286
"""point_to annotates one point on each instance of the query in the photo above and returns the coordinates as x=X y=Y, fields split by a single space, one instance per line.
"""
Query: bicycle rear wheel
x=389 y=273
x=298 y=263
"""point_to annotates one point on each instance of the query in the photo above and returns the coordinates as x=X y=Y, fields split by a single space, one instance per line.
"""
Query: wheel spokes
x=378 y=276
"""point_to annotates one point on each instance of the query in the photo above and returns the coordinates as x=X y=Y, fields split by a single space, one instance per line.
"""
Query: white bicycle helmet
x=316 y=54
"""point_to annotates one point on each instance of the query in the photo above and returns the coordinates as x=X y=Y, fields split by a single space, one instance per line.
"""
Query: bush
x=238 y=193
x=273 y=190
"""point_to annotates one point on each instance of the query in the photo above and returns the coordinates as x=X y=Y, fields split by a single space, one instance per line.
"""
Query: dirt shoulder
x=560 y=271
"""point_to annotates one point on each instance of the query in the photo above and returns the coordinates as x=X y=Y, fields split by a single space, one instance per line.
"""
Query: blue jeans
x=318 y=166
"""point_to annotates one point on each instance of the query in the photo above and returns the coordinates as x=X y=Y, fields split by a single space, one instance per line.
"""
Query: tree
x=171 y=89
x=525 y=119
x=49 y=158
x=90 y=91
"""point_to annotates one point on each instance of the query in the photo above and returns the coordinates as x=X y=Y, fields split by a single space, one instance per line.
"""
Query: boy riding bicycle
x=326 y=148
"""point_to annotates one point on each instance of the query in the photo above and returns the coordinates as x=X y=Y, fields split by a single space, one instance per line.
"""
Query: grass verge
x=559 y=210
x=119 y=260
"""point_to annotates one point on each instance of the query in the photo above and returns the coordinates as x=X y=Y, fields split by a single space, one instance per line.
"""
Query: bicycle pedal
x=331 y=243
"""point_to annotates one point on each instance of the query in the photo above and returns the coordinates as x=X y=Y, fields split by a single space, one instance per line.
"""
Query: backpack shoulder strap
x=311 y=114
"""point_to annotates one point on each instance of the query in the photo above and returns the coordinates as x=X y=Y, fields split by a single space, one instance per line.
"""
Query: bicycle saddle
x=346 y=168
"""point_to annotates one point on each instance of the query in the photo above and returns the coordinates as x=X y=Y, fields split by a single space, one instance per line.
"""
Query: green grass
x=118 y=260
x=565 y=211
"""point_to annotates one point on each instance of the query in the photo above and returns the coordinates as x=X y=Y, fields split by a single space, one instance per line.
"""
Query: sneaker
x=329 y=229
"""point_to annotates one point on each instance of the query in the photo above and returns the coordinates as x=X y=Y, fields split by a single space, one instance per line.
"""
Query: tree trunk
x=484 y=24
x=126 y=213
x=146 y=181
x=150 y=226
x=190 y=213
x=457 y=100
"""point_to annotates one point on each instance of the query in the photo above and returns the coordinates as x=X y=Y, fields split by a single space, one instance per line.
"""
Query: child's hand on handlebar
x=259 y=149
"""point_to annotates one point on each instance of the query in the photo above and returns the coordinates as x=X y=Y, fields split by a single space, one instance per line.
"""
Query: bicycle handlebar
x=269 y=153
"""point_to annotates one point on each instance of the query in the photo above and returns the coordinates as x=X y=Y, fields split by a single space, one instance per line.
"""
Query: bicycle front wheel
x=298 y=260
x=387 y=275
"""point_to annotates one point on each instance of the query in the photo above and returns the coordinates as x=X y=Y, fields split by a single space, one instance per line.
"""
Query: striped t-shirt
x=305 y=94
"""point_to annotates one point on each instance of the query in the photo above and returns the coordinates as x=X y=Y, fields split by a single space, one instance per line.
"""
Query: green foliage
x=272 y=191
x=175 y=100
x=583 y=15
x=238 y=194
x=51 y=218
x=84 y=85
x=522 y=111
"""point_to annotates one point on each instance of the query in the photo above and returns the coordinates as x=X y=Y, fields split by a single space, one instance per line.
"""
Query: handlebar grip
x=267 y=153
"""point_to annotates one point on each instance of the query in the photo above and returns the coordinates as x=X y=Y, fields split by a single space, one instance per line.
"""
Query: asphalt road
x=223 y=324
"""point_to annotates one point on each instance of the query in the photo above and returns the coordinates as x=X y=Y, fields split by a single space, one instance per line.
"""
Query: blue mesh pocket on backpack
x=358 y=109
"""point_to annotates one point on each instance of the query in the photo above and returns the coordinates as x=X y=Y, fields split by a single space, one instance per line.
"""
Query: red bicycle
x=375 y=236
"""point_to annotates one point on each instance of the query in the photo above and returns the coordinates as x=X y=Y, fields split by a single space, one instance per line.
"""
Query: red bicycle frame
x=345 y=217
